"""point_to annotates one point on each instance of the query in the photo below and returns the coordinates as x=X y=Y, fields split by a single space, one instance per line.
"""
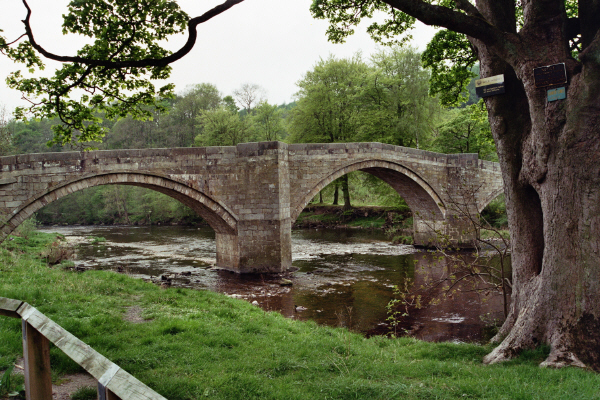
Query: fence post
x=36 y=352
x=105 y=393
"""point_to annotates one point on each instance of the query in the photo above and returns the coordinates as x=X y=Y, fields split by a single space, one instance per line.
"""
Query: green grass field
x=198 y=344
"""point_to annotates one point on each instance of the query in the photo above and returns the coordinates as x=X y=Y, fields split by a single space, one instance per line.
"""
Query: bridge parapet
x=251 y=193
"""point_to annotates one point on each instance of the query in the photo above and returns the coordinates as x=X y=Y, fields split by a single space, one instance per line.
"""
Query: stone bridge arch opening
x=489 y=199
x=427 y=206
x=492 y=210
x=220 y=219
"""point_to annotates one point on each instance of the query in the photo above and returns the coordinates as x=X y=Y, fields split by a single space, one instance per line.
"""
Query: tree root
x=560 y=359
x=559 y=356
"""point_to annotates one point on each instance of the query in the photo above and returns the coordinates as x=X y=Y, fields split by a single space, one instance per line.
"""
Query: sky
x=271 y=43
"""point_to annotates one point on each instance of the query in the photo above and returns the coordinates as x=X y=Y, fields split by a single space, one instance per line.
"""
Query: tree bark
x=335 y=193
x=549 y=154
x=346 y=192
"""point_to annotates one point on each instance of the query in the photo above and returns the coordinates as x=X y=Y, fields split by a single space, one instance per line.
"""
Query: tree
x=111 y=75
x=31 y=136
x=328 y=106
x=548 y=153
x=222 y=127
x=187 y=108
x=267 y=122
x=6 y=137
x=399 y=109
x=248 y=95
x=467 y=131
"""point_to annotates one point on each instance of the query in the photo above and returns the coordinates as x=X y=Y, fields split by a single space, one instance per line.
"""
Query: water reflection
x=343 y=277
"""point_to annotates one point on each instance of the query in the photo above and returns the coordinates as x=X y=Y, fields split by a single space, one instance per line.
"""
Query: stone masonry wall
x=250 y=193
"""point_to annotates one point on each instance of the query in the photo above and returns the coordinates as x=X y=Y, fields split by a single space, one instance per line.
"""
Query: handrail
x=38 y=330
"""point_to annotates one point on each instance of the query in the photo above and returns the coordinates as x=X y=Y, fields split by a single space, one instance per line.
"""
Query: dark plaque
x=490 y=86
x=550 y=75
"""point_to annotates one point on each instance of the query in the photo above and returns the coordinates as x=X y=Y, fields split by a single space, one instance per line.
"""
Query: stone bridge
x=251 y=194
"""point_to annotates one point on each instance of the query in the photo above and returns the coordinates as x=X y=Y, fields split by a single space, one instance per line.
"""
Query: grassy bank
x=194 y=344
x=366 y=217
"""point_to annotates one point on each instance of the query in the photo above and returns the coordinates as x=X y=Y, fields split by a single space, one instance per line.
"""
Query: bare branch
x=16 y=40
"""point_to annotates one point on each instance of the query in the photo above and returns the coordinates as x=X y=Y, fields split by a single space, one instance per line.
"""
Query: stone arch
x=489 y=198
x=417 y=193
x=217 y=215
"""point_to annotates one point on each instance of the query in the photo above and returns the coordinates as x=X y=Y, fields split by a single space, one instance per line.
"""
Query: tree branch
x=430 y=14
x=469 y=8
x=149 y=62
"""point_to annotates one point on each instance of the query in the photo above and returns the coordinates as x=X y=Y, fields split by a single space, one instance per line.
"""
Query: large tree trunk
x=557 y=300
x=549 y=153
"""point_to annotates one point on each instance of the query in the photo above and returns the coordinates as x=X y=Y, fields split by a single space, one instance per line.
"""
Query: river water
x=343 y=277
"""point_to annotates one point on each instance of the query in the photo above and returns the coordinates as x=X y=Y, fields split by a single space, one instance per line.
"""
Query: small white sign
x=492 y=80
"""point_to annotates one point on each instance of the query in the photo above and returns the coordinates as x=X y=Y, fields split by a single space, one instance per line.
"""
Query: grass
x=85 y=393
x=199 y=344
x=490 y=234
x=365 y=217
x=368 y=222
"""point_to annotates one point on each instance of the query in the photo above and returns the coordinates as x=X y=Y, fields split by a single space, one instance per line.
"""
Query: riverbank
x=313 y=216
x=365 y=217
x=192 y=344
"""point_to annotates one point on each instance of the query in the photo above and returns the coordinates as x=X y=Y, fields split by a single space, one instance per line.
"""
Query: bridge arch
x=489 y=198
x=417 y=193
x=218 y=216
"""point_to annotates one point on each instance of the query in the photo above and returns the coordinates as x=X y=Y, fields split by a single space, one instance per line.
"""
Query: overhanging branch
x=149 y=62
x=471 y=24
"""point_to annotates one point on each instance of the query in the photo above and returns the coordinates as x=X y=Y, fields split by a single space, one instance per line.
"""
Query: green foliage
x=397 y=106
x=222 y=127
x=467 y=131
x=122 y=32
x=5 y=381
x=495 y=213
x=32 y=136
x=114 y=204
x=27 y=227
x=96 y=239
x=386 y=100
x=183 y=117
x=451 y=59
x=328 y=102
x=267 y=122
x=6 y=136
x=343 y=17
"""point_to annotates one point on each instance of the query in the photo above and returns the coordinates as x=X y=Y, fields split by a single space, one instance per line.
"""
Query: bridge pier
x=453 y=231
x=262 y=203
x=262 y=247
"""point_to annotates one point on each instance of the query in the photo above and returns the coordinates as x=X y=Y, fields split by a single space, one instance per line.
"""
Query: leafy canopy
x=449 y=55
x=111 y=75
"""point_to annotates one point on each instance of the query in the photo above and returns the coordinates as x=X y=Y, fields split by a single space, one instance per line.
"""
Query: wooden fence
x=39 y=331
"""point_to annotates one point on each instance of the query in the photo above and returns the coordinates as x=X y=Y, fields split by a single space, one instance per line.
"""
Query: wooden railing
x=39 y=331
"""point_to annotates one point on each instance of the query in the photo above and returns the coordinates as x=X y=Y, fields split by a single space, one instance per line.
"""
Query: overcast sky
x=272 y=43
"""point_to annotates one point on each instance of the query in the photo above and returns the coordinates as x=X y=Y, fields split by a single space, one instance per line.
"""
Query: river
x=343 y=277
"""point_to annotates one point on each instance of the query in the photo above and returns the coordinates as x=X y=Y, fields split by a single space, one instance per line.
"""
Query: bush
x=27 y=227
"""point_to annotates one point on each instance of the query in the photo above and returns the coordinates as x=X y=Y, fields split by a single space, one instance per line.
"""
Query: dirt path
x=67 y=384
